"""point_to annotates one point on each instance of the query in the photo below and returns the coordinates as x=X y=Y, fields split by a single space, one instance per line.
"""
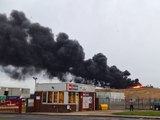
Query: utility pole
x=35 y=79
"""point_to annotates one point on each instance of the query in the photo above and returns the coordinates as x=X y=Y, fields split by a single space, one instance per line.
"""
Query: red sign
x=84 y=94
x=12 y=105
x=72 y=87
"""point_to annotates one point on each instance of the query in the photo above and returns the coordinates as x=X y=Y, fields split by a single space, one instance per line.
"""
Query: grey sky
x=126 y=31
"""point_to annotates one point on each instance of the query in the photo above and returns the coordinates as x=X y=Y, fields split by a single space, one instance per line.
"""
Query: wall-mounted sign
x=83 y=88
x=85 y=102
x=90 y=99
x=30 y=102
x=72 y=87
x=37 y=97
x=84 y=94
x=68 y=107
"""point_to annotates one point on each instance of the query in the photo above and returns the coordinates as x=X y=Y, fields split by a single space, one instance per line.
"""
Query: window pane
x=44 y=96
x=61 y=97
x=49 y=97
x=55 y=97
x=77 y=98
x=71 y=97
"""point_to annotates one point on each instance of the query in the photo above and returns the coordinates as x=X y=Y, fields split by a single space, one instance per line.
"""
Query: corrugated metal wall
x=24 y=92
x=113 y=99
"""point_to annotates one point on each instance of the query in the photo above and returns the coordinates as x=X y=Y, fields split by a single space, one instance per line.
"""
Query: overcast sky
x=126 y=31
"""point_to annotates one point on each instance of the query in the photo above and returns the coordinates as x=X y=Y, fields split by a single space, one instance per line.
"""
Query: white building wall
x=14 y=92
x=65 y=97
x=111 y=95
x=115 y=95
x=103 y=95
x=84 y=87
x=64 y=87
x=25 y=92
x=51 y=87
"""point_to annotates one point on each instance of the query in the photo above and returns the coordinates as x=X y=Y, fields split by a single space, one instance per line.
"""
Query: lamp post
x=35 y=79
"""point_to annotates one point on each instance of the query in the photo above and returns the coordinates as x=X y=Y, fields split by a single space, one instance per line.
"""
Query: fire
x=137 y=86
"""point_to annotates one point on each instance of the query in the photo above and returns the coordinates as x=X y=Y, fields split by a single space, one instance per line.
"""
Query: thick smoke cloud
x=28 y=48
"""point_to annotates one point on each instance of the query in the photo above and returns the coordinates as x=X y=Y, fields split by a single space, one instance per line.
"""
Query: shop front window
x=44 y=97
x=77 y=98
x=55 y=97
x=61 y=97
x=71 y=97
x=50 y=97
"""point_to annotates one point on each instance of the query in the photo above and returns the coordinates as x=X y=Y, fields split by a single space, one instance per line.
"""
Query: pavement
x=108 y=113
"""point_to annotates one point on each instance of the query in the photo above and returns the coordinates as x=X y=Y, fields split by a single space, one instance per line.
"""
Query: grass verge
x=139 y=113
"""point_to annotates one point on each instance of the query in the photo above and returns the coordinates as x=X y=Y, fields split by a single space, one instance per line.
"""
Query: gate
x=11 y=105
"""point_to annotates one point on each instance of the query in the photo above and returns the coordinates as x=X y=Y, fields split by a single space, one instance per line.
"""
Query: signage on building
x=38 y=98
x=90 y=99
x=83 y=88
x=86 y=101
x=84 y=94
x=72 y=87
x=12 y=97
x=30 y=102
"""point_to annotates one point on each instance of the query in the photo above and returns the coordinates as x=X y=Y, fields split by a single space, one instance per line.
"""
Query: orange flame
x=138 y=86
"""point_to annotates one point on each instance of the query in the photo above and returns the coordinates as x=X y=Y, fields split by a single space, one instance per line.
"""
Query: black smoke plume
x=28 y=48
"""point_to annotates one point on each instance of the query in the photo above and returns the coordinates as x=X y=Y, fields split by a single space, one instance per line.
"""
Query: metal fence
x=113 y=104
x=144 y=104
x=138 y=104
x=117 y=104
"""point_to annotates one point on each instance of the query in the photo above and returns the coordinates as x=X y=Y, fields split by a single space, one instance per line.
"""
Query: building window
x=77 y=98
x=61 y=97
x=71 y=97
x=55 y=97
x=6 y=93
x=44 y=97
x=50 y=97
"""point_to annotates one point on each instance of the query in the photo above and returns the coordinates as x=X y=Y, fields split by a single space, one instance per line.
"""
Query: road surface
x=47 y=117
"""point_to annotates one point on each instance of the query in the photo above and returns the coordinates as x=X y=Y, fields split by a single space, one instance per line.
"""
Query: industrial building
x=16 y=92
x=114 y=100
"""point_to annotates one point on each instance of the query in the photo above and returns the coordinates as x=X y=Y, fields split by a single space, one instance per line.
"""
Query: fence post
x=20 y=106
x=142 y=104
x=138 y=103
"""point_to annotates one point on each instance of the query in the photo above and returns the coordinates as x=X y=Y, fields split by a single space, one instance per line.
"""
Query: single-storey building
x=62 y=97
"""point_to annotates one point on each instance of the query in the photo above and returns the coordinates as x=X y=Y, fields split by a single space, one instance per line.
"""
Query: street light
x=35 y=79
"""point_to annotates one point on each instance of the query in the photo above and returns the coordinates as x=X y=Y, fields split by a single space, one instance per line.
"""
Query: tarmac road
x=48 y=117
